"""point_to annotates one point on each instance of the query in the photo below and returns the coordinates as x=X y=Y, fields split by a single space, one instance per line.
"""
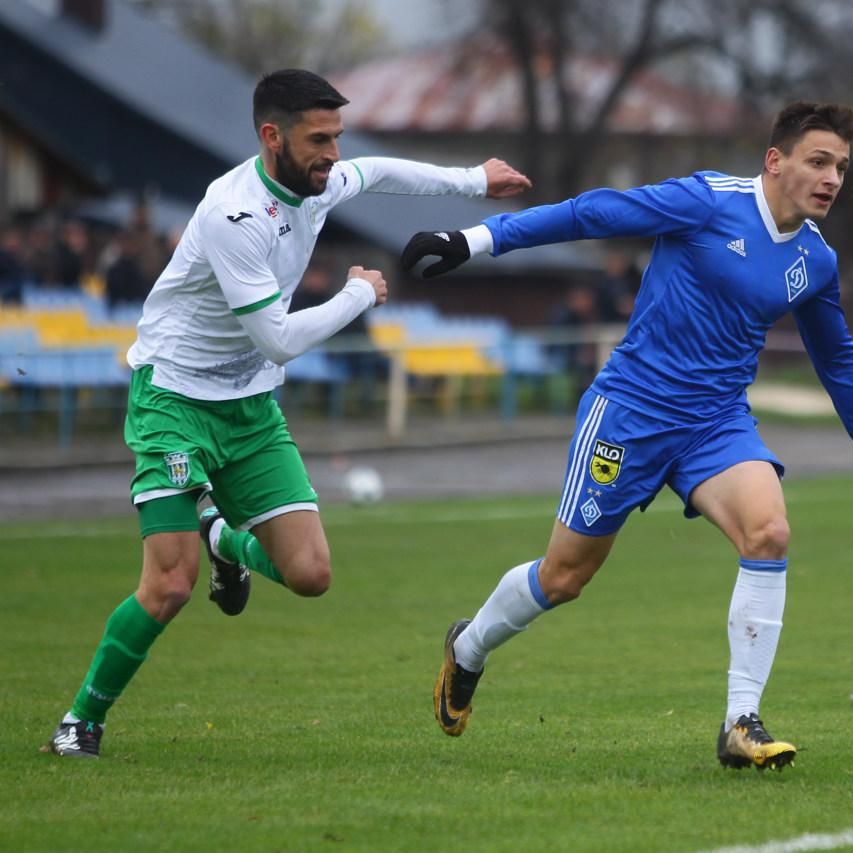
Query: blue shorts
x=619 y=459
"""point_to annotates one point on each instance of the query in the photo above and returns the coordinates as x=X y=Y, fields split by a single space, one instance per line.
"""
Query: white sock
x=755 y=622
x=517 y=600
x=70 y=719
x=215 y=532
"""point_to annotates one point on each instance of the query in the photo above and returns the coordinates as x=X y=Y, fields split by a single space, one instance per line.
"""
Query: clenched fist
x=502 y=181
x=374 y=278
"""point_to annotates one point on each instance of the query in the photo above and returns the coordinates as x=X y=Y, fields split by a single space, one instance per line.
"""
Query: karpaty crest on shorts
x=178 y=465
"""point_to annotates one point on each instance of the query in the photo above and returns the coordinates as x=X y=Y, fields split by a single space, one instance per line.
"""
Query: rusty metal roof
x=476 y=87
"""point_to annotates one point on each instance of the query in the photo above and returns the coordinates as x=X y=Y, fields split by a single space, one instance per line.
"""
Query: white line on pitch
x=800 y=844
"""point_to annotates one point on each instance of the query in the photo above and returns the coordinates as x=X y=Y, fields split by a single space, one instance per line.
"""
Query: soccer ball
x=364 y=485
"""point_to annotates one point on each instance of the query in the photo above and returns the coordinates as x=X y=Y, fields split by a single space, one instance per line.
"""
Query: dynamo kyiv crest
x=178 y=464
x=796 y=278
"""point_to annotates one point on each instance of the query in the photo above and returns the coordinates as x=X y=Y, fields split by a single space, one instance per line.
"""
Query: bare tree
x=764 y=51
x=260 y=35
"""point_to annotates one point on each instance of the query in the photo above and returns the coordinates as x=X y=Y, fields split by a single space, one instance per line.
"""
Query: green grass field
x=307 y=725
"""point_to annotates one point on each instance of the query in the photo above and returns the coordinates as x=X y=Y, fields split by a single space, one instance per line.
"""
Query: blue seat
x=316 y=365
x=40 y=298
x=17 y=341
x=125 y=313
x=65 y=370
x=524 y=355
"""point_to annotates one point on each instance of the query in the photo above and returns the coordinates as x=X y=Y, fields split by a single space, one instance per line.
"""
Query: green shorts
x=241 y=450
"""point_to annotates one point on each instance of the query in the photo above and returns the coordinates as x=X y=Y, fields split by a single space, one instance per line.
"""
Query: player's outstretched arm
x=502 y=181
x=494 y=178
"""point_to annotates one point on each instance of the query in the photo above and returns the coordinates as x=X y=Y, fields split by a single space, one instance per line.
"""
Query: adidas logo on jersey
x=738 y=246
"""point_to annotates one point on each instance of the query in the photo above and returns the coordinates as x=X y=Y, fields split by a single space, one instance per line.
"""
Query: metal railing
x=394 y=386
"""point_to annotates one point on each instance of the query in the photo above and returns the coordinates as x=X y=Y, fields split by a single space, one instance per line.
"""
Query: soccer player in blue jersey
x=731 y=256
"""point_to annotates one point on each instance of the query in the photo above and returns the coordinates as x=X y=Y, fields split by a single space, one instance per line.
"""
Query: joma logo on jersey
x=284 y=229
x=606 y=462
x=796 y=278
x=178 y=465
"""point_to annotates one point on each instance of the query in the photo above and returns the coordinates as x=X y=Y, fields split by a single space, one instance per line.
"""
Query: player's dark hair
x=282 y=96
x=797 y=119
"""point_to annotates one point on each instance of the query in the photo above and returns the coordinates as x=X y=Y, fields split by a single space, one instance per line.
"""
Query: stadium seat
x=318 y=367
x=65 y=370
x=37 y=298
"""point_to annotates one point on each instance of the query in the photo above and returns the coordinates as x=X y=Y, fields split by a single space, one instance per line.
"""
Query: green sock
x=241 y=547
x=129 y=633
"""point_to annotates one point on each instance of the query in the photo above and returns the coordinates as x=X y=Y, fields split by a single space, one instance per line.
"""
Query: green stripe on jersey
x=256 y=306
x=276 y=188
x=355 y=166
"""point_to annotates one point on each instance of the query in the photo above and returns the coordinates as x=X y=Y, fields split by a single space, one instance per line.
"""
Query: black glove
x=450 y=246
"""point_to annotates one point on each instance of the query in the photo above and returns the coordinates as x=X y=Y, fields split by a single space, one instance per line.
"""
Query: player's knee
x=178 y=593
x=310 y=576
x=562 y=582
x=310 y=583
x=768 y=540
x=165 y=592
x=566 y=588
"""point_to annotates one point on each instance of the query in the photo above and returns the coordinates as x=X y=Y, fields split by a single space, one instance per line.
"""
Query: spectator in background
x=618 y=289
x=580 y=307
x=54 y=253
x=13 y=273
x=40 y=254
x=126 y=283
x=611 y=300
x=152 y=247
x=69 y=254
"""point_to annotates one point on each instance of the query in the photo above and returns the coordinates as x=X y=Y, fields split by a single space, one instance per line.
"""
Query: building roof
x=478 y=88
x=149 y=67
x=166 y=80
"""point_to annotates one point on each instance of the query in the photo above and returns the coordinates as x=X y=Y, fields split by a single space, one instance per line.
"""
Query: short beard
x=288 y=175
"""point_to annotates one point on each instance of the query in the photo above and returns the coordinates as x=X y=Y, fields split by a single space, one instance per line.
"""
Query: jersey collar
x=776 y=235
x=276 y=188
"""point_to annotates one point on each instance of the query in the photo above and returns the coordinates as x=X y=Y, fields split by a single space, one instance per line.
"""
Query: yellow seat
x=112 y=335
x=456 y=359
x=14 y=317
x=387 y=335
x=62 y=328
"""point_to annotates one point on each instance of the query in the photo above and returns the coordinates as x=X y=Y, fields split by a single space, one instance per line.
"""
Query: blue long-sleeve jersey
x=719 y=277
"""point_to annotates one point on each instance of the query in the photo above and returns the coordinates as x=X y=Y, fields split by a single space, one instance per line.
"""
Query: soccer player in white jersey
x=211 y=343
x=731 y=256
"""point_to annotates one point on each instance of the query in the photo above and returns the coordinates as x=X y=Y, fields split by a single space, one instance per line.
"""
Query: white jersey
x=215 y=325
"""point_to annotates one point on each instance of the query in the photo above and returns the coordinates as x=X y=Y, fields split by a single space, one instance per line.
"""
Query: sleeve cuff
x=479 y=240
x=365 y=287
x=481 y=181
